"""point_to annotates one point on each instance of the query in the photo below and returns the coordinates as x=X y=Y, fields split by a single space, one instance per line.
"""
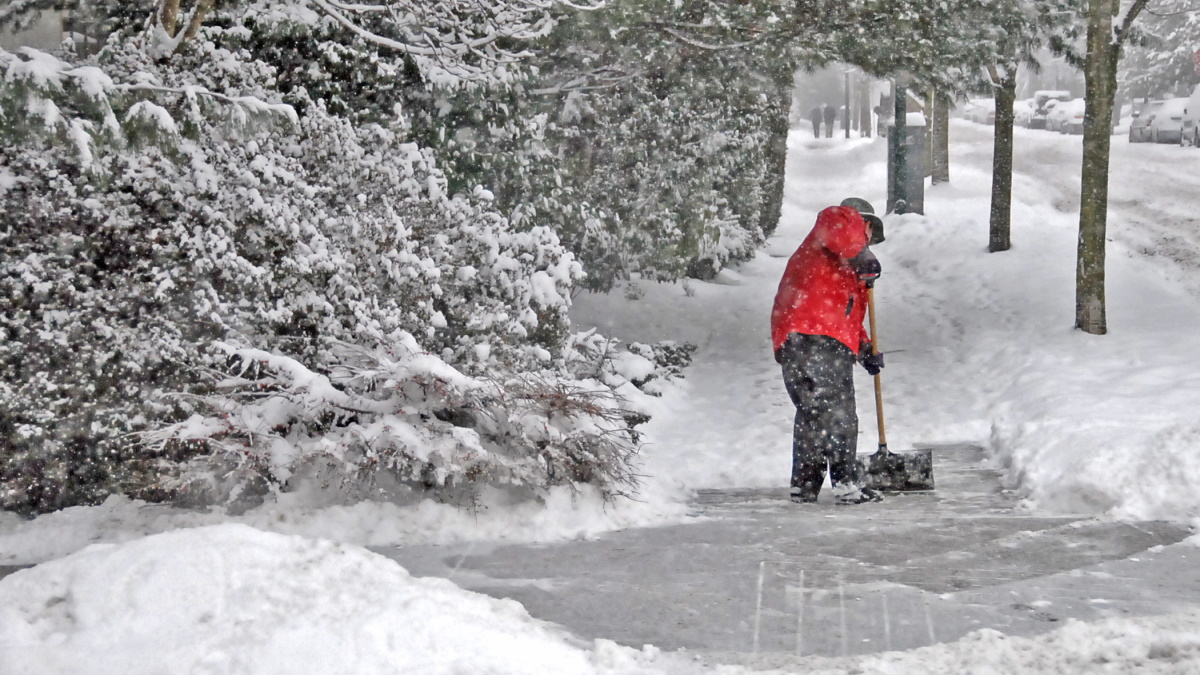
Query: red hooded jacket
x=820 y=293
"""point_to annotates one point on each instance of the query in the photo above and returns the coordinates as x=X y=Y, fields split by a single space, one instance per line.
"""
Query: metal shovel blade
x=897 y=471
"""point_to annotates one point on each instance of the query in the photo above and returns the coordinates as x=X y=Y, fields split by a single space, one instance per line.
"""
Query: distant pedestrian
x=816 y=116
x=830 y=116
x=817 y=333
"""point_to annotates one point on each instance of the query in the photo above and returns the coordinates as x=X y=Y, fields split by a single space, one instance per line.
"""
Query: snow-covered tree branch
x=401 y=417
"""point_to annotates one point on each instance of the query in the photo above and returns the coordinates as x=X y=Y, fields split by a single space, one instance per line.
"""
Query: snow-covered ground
x=981 y=350
x=983 y=344
x=233 y=599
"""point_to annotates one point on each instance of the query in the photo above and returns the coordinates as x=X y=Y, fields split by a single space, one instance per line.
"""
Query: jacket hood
x=842 y=230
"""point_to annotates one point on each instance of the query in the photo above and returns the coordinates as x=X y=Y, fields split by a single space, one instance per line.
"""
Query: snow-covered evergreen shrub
x=631 y=182
x=154 y=206
x=401 y=419
x=591 y=356
x=669 y=358
x=643 y=156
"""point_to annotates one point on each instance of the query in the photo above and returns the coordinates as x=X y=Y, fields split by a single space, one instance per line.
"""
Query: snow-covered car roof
x=1173 y=106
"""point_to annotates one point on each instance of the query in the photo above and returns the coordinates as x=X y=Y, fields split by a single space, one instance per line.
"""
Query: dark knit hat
x=865 y=209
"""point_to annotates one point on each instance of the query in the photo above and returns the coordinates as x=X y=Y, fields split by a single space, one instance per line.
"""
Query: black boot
x=806 y=493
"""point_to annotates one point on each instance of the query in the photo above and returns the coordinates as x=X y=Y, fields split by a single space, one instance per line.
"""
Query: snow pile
x=1164 y=644
x=563 y=514
x=1083 y=424
x=230 y=599
x=1167 y=644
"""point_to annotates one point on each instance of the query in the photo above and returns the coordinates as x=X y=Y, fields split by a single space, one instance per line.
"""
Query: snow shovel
x=886 y=470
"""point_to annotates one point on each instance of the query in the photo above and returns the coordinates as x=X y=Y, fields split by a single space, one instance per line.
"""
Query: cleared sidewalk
x=756 y=578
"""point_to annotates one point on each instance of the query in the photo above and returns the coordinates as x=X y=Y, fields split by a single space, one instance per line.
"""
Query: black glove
x=871 y=361
x=866 y=266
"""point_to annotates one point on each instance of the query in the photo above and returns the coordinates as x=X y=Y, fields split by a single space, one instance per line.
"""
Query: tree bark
x=203 y=7
x=866 y=121
x=941 y=139
x=168 y=15
x=772 y=204
x=846 y=115
x=930 y=103
x=1000 y=225
x=1100 y=77
x=898 y=187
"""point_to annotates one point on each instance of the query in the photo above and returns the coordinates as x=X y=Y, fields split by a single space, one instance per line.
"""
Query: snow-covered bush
x=644 y=156
x=150 y=207
x=632 y=183
x=392 y=420
x=591 y=356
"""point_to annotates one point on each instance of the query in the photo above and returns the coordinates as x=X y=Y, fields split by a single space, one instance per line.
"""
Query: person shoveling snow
x=817 y=333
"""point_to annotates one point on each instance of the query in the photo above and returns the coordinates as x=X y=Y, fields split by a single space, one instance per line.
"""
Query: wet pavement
x=754 y=573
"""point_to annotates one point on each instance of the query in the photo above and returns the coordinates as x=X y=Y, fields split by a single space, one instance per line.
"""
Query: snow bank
x=563 y=515
x=1083 y=424
x=1162 y=645
x=231 y=599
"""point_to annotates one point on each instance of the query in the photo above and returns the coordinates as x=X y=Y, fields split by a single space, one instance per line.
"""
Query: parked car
x=978 y=109
x=1023 y=111
x=1046 y=115
x=1166 y=126
x=1141 y=119
x=1055 y=116
x=1042 y=101
x=1191 y=121
x=1069 y=116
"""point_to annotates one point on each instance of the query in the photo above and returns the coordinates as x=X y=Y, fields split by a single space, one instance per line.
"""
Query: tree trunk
x=930 y=102
x=898 y=136
x=866 y=121
x=941 y=139
x=1100 y=77
x=778 y=127
x=1000 y=227
x=203 y=7
x=168 y=16
x=846 y=103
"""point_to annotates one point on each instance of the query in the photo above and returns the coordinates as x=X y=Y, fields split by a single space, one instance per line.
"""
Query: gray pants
x=818 y=372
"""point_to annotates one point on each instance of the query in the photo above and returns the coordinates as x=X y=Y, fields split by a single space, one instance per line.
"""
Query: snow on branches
x=400 y=419
x=44 y=95
x=191 y=223
x=451 y=42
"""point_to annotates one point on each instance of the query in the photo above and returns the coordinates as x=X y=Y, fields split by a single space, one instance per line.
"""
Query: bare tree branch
x=595 y=79
x=673 y=29
x=1166 y=14
x=1122 y=31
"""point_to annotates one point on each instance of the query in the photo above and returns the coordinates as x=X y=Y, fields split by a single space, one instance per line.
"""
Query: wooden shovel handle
x=878 y=379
